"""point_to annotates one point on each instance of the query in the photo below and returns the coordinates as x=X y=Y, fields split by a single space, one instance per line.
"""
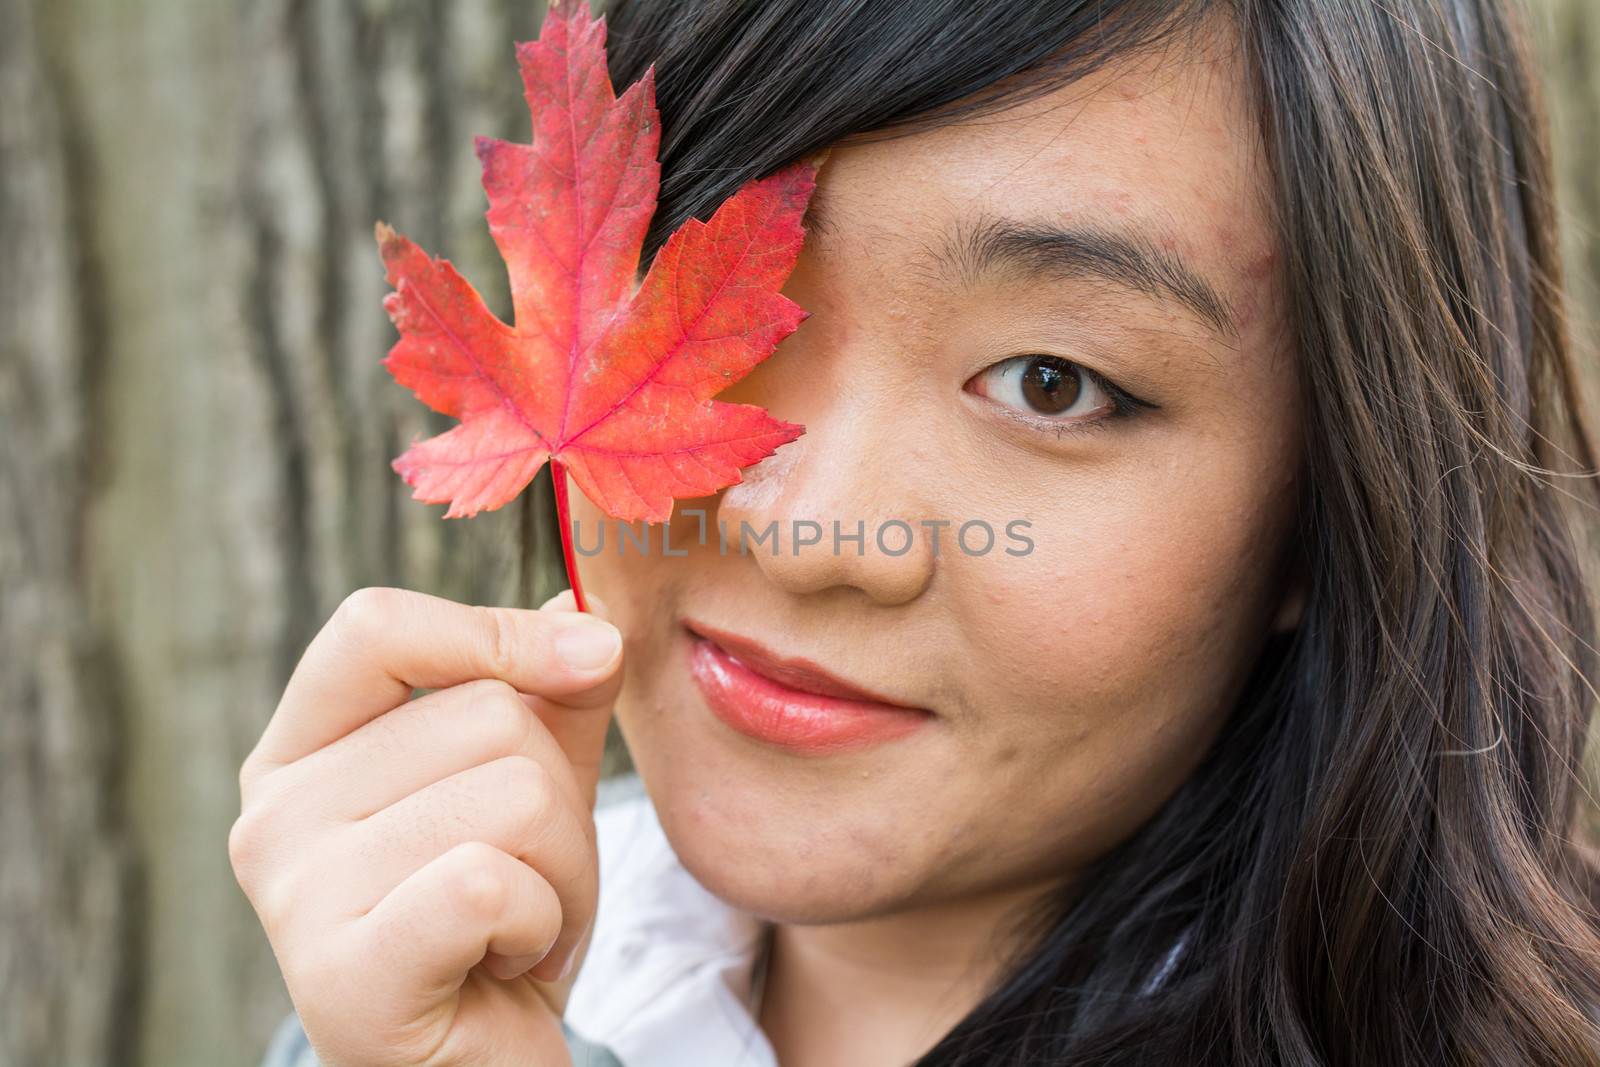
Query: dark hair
x=1377 y=863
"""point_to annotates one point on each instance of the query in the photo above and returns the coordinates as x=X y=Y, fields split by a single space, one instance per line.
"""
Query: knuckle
x=501 y=713
x=535 y=811
x=530 y=783
x=368 y=609
x=245 y=843
x=270 y=889
x=275 y=901
x=503 y=638
x=477 y=883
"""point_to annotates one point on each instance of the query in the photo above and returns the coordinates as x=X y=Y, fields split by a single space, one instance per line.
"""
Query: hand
x=425 y=869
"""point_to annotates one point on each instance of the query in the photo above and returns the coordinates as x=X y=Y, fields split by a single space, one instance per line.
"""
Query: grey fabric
x=290 y=1048
x=586 y=1053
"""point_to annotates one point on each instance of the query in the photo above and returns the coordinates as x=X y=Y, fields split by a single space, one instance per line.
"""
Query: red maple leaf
x=611 y=384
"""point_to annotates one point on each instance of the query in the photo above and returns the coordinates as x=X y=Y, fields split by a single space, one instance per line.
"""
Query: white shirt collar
x=667 y=979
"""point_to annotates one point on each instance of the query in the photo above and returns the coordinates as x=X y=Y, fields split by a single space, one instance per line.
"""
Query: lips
x=790 y=702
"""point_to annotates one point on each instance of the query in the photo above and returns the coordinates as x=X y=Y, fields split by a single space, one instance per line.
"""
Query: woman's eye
x=1046 y=385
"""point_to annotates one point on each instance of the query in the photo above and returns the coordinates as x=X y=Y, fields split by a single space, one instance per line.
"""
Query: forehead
x=1165 y=144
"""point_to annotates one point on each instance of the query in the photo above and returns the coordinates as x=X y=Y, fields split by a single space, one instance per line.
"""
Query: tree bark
x=1569 y=38
x=69 y=883
x=197 y=433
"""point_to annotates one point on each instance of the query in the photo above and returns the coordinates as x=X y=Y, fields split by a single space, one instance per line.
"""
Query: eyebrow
x=1123 y=257
x=984 y=243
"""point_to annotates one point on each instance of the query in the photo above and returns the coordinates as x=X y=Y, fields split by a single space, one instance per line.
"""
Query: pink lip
x=790 y=702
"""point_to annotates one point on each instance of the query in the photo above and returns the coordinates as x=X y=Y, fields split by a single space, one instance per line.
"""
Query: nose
x=832 y=509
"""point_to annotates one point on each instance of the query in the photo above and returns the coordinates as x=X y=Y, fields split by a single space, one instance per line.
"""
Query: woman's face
x=956 y=279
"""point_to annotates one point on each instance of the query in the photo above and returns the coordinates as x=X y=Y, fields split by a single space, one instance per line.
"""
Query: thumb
x=581 y=730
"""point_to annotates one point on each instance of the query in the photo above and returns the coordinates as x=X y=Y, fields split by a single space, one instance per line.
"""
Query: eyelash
x=1123 y=403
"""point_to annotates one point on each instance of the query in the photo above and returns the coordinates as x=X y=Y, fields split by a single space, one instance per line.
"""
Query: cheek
x=1111 y=607
x=1082 y=682
x=1104 y=661
x=612 y=566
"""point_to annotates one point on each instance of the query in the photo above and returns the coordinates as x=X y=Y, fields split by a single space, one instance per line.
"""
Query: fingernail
x=588 y=644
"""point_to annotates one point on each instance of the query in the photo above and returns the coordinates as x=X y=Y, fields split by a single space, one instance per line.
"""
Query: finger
x=424 y=936
x=383 y=643
x=581 y=732
x=442 y=733
x=421 y=742
x=512 y=804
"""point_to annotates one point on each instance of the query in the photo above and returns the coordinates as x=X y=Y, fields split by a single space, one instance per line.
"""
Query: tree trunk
x=68 y=883
x=197 y=432
x=1570 y=40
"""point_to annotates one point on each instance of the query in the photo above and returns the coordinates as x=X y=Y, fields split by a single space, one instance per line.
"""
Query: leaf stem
x=527 y=552
x=558 y=475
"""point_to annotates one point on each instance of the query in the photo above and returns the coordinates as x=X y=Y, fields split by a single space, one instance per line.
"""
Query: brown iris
x=1050 y=384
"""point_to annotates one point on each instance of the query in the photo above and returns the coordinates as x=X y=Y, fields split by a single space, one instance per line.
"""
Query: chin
x=780 y=837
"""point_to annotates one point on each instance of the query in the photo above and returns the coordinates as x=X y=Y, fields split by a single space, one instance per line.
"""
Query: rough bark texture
x=194 y=443
x=68 y=883
x=1570 y=39
x=196 y=435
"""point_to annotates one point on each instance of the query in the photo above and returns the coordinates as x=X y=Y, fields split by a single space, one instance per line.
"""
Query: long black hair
x=1378 y=863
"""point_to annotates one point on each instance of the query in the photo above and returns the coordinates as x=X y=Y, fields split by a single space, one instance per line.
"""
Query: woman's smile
x=789 y=701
